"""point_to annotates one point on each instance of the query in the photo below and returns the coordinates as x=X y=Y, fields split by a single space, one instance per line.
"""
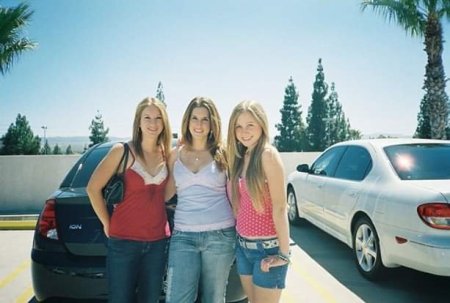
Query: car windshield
x=420 y=161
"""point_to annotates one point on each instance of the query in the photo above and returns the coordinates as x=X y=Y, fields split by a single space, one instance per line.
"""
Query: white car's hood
x=441 y=186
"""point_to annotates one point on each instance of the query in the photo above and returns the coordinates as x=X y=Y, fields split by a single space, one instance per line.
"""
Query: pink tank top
x=249 y=222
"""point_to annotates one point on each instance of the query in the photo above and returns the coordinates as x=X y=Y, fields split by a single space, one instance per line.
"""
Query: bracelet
x=284 y=258
x=288 y=255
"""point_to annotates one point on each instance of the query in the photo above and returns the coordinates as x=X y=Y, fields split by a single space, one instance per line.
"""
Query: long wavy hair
x=164 y=138
x=214 y=141
x=254 y=177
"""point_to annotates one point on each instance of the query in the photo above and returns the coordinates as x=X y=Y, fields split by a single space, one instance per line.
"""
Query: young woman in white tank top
x=202 y=246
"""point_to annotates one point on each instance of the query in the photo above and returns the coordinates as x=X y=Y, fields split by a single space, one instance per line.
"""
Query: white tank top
x=202 y=199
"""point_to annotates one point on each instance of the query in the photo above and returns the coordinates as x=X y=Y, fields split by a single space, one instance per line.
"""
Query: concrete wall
x=27 y=181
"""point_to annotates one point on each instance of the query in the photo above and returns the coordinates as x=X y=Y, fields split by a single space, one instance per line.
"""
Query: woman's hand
x=106 y=229
x=272 y=261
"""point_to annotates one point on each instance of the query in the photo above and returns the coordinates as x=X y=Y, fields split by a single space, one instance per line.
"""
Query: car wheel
x=292 y=207
x=366 y=248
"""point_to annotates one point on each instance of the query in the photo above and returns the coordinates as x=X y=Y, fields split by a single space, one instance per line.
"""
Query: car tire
x=293 y=216
x=366 y=250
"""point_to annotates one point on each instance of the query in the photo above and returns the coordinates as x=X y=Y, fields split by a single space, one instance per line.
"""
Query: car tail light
x=47 y=221
x=436 y=215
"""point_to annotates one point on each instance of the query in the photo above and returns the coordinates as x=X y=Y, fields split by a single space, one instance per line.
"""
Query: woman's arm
x=104 y=171
x=274 y=171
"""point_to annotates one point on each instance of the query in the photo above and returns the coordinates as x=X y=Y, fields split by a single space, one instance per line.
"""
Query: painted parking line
x=308 y=281
x=323 y=292
x=17 y=271
x=26 y=295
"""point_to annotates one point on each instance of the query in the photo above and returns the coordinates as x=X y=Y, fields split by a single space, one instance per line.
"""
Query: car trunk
x=441 y=186
x=78 y=226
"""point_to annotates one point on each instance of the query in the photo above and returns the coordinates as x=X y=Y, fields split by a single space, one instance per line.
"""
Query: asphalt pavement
x=307 y=281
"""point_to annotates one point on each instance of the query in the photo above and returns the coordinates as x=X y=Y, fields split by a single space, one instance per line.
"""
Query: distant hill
x=78 y=143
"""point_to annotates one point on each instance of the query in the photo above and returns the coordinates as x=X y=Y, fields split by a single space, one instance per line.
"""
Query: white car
x=387 y=199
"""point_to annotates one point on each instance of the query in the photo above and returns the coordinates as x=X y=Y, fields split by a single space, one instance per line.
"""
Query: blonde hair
x=214 y=141
x=164 y=138
x=254 y=177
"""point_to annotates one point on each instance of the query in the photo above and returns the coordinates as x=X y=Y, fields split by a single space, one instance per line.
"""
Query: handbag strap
x=125 y=153
x=124 y=157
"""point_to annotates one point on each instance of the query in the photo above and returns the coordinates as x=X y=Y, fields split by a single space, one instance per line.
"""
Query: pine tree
x=354 y=134
x=338 y=127
x=332 y=121
x=98 y=131
x=19 y=139
x=423 y=129
x=317 y=113
x=46 y=150
x=57 y=150
x=291 y=129
x=69 y=150
x=160 y=93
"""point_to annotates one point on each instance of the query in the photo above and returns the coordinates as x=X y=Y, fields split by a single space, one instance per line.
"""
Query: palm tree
x=423 y=18
x=12 y=21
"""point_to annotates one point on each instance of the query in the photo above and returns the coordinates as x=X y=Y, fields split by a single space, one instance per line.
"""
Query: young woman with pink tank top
x=257 y=192
x=137 y=230
x=203 y=242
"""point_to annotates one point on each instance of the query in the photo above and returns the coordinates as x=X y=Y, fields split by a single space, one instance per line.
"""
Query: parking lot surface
x=307 y=281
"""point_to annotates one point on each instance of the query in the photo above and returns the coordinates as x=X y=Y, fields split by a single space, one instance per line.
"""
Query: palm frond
x=12 y=22
x=407 y=13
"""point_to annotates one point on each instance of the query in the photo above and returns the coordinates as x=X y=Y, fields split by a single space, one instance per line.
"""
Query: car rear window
x=420 y=161
x=84 y=169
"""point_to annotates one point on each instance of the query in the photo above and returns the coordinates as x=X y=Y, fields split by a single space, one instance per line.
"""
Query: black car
x=69 y=247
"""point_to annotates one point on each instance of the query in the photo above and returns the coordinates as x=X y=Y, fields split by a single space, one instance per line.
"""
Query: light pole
x=44 y=127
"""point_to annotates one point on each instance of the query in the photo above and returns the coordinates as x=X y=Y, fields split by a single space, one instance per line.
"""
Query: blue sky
x=109 y=55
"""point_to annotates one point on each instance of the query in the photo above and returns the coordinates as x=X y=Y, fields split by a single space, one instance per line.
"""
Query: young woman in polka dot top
x=257 y=193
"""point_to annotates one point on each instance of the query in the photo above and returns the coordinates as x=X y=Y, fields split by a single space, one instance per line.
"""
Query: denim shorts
x=249 y=263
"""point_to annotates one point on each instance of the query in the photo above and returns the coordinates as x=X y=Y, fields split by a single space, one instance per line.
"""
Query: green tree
x=423 y=18
x=338 y=127
x=12 y=44
x=69 y=150
x=19 y=139
x=160 y=93
x=317 y=113
x=291 y=129
x=46 y=150
x=57 y=150
x=98 y=131
x=423 y=129
x=354 y=134
x=333 y=121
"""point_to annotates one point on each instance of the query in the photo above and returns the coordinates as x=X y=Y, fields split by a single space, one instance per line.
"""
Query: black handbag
x=115 y=188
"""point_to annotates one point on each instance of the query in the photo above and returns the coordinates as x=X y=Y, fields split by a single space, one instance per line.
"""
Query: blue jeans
x=200 y=259
x=135 y=270
x=248 y=263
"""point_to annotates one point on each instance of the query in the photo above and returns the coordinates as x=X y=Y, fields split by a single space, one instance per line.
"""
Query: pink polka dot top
x=249 y=222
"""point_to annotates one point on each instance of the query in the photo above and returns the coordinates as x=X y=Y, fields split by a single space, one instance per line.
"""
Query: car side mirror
x=303 y=168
